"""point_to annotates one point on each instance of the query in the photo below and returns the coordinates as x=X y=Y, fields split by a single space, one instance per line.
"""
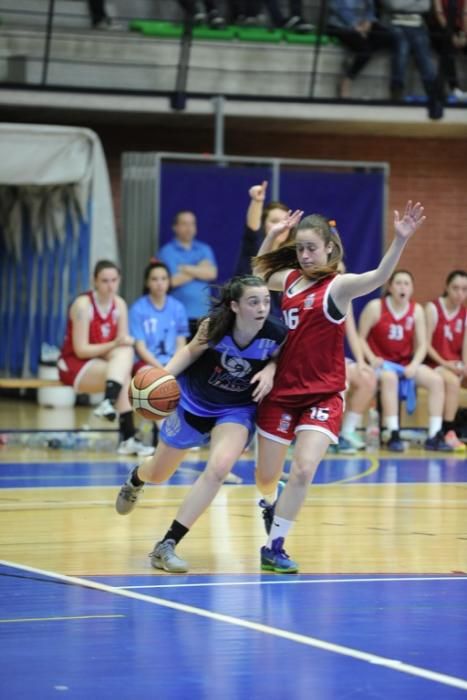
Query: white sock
x=392 y=423
x=435 y=425
x=279 y=528
x=270 y=498
x=352 y=421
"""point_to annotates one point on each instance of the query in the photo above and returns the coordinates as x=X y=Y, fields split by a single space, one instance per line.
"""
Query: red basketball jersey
x=312 y=359
x=448 y=334
x=392 y=338
x=102 y=329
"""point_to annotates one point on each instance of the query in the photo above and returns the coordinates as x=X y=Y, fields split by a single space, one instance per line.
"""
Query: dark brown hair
x=286 y=256
x=104 y=265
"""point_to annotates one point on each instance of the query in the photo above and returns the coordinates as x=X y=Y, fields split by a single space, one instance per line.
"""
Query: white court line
x=295 y=582
x=393 y=664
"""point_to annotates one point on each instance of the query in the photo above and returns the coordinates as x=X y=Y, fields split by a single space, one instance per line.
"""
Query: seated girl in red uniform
x=306 y=400
x=393 y=330
x=97 y=353
x=446 y=320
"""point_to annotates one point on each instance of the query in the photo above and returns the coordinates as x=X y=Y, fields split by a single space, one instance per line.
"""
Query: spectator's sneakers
x=133 y=446
x=395 y=444
x=105 y=410
x=438 y=443
x=107 y=24
x=458 y=95
x=451 y=439
x=268 y=509
x=215 y=20
x=163 y=557
x=298 y=24
x=276 y=559
x=199 y=15
x=355 y=440
x=128 y=497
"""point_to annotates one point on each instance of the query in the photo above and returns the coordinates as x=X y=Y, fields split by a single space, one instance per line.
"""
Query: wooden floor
x=377 y=611
x=369 y=514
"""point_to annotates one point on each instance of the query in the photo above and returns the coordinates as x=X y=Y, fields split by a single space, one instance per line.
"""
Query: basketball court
x=377 y=611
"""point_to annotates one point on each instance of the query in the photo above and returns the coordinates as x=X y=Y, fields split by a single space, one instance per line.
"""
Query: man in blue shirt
x=192 y=266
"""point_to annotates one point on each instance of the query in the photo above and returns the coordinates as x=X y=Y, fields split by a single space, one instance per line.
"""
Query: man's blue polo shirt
x=194 y=295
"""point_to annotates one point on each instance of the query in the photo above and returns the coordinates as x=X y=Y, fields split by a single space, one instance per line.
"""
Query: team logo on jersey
x=233 y=374
x=458 y=326
x=448 y=333
x=105 y=330
x=309 y=301
x=409 y=323
x=172 y=424
x=284 y=423
x=236 y=366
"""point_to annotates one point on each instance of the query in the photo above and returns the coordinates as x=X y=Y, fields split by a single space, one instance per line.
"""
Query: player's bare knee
x=302 y=470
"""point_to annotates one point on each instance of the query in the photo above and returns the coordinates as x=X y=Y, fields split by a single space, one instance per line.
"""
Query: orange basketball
x=154 y=393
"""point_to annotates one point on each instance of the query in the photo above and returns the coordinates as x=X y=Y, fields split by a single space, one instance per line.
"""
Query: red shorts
x=71 y=369
x=281 y=423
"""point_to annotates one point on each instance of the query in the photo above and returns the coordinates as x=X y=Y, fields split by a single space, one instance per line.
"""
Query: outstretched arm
x=348 y=286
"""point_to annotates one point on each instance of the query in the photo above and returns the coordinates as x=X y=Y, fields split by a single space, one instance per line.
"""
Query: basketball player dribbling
x=306 y=400
x=223 y=372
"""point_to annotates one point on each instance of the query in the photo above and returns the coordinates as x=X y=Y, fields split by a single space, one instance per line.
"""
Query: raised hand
x=292 y=219
x=412 y=219
x=258 y=192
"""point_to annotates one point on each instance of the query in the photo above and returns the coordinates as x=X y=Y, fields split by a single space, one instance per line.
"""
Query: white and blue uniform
x=159 y=328
x=216 y=388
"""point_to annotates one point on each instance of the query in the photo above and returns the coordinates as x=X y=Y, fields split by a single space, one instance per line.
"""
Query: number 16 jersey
x=312 y=359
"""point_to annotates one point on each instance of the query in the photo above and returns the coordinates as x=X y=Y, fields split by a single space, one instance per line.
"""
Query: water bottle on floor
x=372 y=435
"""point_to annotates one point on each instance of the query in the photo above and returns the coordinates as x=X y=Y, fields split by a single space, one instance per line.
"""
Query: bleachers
x=128 y=60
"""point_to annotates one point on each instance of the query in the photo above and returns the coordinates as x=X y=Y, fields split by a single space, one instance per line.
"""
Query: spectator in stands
x=249 y=12
x=201 y=12
x=97 y=353
x=192 y=265
x=446 y=320
x=449 y=37
x=393 y=333
x=355 y=24
x=406 y=20
x=100 y=19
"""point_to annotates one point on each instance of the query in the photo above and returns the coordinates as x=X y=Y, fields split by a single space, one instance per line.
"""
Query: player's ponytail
x=285 y=257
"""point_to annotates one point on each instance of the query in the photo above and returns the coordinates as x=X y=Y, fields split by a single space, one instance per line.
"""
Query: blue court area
x=325 y=638
x=335 y=470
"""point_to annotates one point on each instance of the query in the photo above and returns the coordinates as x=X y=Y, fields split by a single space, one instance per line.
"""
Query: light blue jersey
x=159 y=328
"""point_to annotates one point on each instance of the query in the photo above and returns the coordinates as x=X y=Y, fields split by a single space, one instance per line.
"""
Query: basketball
x=154 y=394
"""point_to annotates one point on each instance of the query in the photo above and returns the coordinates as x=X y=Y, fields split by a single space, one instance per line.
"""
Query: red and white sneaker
x=452 y=440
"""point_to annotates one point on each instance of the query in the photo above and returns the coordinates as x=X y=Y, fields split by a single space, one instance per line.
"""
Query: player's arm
x=353 y=338
x=277 y=280
x=79 y=313
x=123 y=336
x=431 y=320
x=349 y=286
x=185 y=356
x=369 y=318
x=420 y=344
x=255 y=209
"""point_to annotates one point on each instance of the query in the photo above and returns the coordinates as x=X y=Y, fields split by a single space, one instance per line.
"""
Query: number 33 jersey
x=392 y=337
x=312 y=359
